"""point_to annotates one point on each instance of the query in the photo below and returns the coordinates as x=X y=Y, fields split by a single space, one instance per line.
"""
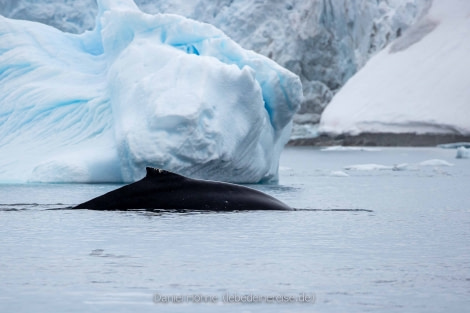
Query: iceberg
x=139 y=90
x=463 y=153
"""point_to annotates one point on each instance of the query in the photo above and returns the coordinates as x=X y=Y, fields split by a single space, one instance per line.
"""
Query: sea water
x=376 y=230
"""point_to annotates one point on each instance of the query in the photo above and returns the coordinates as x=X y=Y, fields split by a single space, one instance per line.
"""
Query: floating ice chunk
x=368 y=167
x=435 y=162
x=463 y=153
x=401 y=167
x=342 y=148
x=455 y=145
x=338 y=174
x=374 y=167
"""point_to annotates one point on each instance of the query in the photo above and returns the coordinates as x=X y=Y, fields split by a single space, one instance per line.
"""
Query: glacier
x=139 y=90
x=419 y=84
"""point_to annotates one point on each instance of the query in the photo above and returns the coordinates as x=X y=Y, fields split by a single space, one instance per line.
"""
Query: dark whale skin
x=163 y=190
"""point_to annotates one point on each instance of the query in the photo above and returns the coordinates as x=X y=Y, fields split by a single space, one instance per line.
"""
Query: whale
x=164 y=190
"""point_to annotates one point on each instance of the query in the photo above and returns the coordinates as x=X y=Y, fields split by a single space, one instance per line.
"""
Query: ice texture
x=324 y=42
x=419 y=84
x=463 y=153
x=139 y=90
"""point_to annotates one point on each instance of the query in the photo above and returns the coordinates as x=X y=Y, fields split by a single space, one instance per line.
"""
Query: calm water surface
x=390 y=240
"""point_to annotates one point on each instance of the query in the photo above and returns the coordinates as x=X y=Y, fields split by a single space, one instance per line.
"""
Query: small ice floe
x=455 y=145
x=342 y=148
x=381 y=167
x=367 y=167
x=463 y=153
x=401 y=167
x=435 y=162
x=338 y=174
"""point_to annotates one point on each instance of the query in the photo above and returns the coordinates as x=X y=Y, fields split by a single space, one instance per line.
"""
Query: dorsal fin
x=159 y=174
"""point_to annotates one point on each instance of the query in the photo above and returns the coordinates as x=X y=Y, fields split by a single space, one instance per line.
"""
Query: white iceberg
x=139 y=90
x=463 y=153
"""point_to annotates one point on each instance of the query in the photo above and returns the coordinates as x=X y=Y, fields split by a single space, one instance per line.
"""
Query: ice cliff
x=138 y=90
x=324 y=42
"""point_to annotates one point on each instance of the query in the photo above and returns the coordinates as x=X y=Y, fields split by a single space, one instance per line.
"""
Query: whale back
x=164 y=190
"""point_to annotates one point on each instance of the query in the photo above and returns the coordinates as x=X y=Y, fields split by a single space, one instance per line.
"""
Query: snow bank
x=139 y=90
x=419 y=84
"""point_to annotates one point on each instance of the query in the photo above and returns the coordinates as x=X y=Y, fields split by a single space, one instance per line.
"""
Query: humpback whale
x=164 y=190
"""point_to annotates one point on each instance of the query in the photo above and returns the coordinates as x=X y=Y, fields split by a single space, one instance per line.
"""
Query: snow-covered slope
x=139 y=90
x=419 y=84
x=324 y=42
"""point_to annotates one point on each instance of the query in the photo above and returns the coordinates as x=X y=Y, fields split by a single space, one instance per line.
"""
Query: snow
x=139 y=90
x=419 y=84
